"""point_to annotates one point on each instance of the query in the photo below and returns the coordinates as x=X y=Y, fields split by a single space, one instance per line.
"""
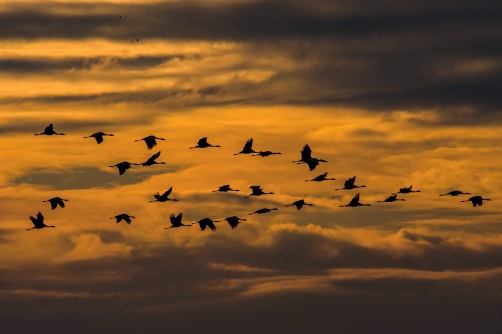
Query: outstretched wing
x=127 y=219
x=312 y=163
x=210 y=224
x=233 y=221
x=53 y=204
x=150 y=142
x=167 y=193
x=179 y=217
x=99 y=138
x=172 y=218
x=249 y=145
x=153 y=158
x=306 y=152
x=350 y=182
x=355 y=200
x=202 y=142
x=49 y=128
x=33 y=220
x=40 y=218
x=324 y=175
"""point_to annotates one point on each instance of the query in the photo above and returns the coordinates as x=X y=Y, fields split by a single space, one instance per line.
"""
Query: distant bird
x=55 y=201
x=176 y=221
x=150 y=141
x=299 y=204
x=123 y=216
x=164 y=197
x=151 y=161
x=407 y=190
x=257 y=191
x=123 y=166
x=355 y=202
x=224 y=189
x=349 y=184
x=234 y=221
x=248 y=148
x=38 y=222
x=264 y=210
x=202 y=143
x=49 y=131
x=477 y=200
x=265 y=153
x=206 y=222
x=120 y=17
x=137 y=40
x=99 y=136
x=455 y=193
x=320 y=178
x=392 y=198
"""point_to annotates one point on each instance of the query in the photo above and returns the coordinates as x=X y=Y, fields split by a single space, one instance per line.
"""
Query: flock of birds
x=233 y=221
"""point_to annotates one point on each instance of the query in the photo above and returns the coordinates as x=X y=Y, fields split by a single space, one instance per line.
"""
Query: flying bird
x=355 y=202
x=38 y=222
x=150 y=141
x=320 y=178
x=151 y=161
x=123 y=166
x=56 y=201
x=265 y=153
x=123 y=216
x=257 y=191
x=407 y=190
x=477 y=200
x=206 y=222
x=234 y=221
x=202 y=143
x=164 y=197
x=392 y=198
x=306 y=153
x=264 y=210
x=224 y=189
x=299 y=204
x=248 y=148
x=99 y=136
x=313 y=163
x=455 y=193
x=49 y=131
x=176 y=221
x=349 y=184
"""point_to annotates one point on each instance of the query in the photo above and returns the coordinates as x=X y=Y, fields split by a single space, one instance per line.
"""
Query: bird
x=320 y=178
x=477 y=200
x=355 y=202
x=349 y=184
x=164 y=197
x=455 y=193
x=202 y=143
x=123 y=166
x=299 y=204
x=38 y=222
x=99 y=136
x=306 y=153
x=392 y=198
x=257 y=191
x=55 y=201
x=313 y=163
x=137 y=40
x=123 y=216
x=234 y=221
x=49 y=131
x=264 y=210
x=206 y=222
x=150 y=141
x=224 y=189
x=176 y=221
x=120 y=17
x=265 y=153
x=248 y=148
x=151 y=161
x=407 y=190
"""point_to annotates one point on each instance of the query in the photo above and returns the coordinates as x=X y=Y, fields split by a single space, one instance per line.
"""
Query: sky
x=396 y=93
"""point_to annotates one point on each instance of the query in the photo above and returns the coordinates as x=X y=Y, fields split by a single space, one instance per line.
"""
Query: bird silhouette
x=55 y=201
x=164 y=197
x=123 y=216
x=49 y=131
x=477 y=200
x=313 y=163
x=99 y=136
x=257 y=191
x=320 y=178
x=202 y=143
x=224 y=189
x=349 y=184
x=299 y=204
x=123 y=166
x=38 y=222
x=206 y=222
x=234 y=221
x=306 y=153
x=455 y=193
x=150 y=141
x=248 y=148
x=407 y=190
x=151 y=161
x=264 y=210
x=265 y=153
x=392 y=198
x=176 y=221
x=355 y=202
x=137 y=40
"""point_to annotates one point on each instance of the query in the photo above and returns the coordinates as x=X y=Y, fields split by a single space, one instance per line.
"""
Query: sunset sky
x=396 y=93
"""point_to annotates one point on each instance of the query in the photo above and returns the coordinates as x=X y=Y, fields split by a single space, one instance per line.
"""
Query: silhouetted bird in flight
x=55 y=201
x=392 y=198
x=355 y=202
x=206 y=222
x=257 y=191
x=164 y=197
x=224 y=189
x=407 y=190
x=320 y=178
x=299 y=204
x=248 y=148
x=264 y=210
x=306 y=158
x=49 y=131
x=349 y=184
x=99 y=136
x=38 y=222
x=455 y=193
x=151 y=161
x=477 y=200
x=313 y=163
x=202 y=143
x=234 y=221
x=137 y=40
x=150 y=141
x=265 y=153
x=123 y=216
x=176 y=221
x=123 y=166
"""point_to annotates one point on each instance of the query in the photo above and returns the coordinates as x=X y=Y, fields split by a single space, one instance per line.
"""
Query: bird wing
x=350 y=182
x=248 y=146
x=167 y=193
x=150 y=142
x=202 y=142
x=53 y=203
x=324 y=175
x=127 y=219
x=312 y=163
x=33 y=220
x=392 y=197
x=172 y=218
x=255 y=188
x=98 y=137
x=49 y=128
x=40 y=218
x=306 y=152
x=210 y=224
x=153 y=158
x=179 y=217
x=60 y=202
x=119 y=218
x=355 y=200
x=122 y=168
